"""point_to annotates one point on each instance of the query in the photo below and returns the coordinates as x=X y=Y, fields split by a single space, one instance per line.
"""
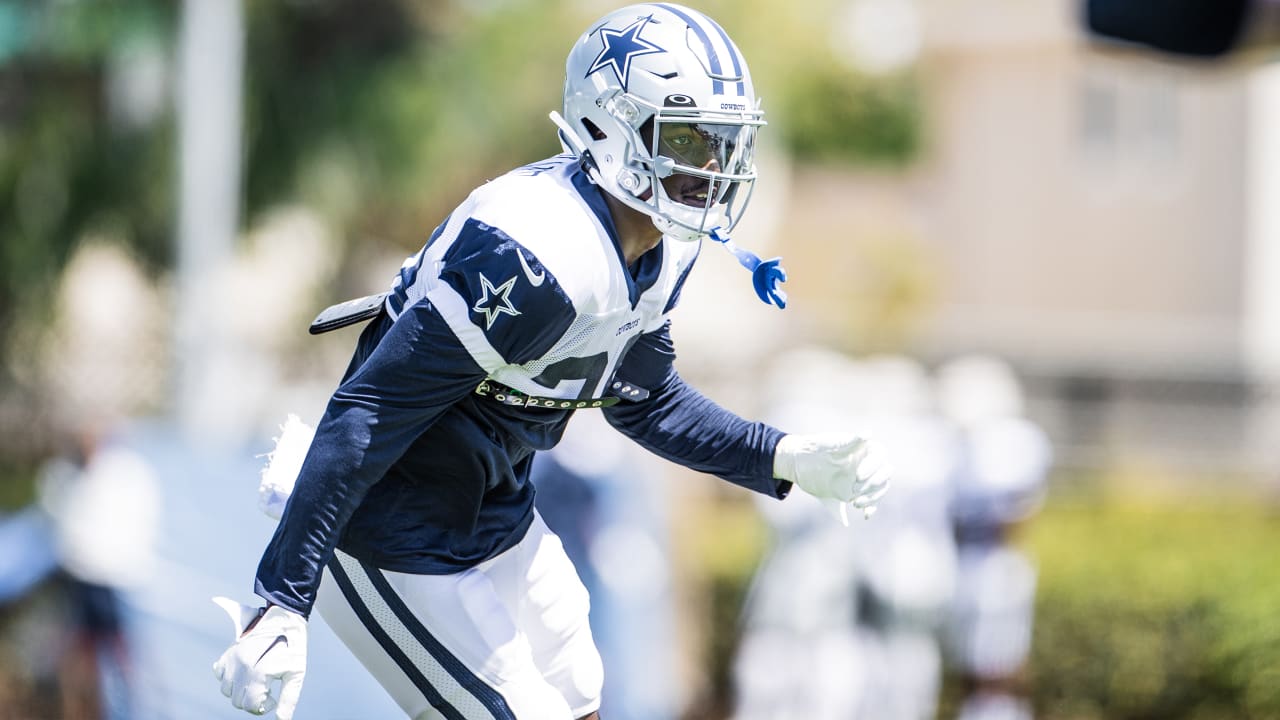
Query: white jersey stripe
x=455 y=311
x=435 y=667
x=427 y=262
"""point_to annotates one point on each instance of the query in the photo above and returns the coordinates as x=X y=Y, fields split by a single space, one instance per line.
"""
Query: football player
x=412 y=527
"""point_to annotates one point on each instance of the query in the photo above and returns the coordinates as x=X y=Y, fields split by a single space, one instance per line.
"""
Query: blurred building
x=1096 y=217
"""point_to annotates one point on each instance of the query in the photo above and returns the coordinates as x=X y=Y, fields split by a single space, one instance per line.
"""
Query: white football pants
x=505 y=639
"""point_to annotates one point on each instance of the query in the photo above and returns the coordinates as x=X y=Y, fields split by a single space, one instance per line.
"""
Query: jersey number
x=587 y=369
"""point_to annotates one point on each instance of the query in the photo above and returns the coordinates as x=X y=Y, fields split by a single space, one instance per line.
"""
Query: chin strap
x=765 y=274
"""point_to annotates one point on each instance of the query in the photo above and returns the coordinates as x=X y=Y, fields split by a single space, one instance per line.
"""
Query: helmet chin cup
x=675 y=230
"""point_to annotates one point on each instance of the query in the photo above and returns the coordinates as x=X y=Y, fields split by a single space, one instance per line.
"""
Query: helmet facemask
x=702 y=168
x=691 y=170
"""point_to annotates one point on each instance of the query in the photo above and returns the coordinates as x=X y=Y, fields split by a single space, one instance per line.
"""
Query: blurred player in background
x=798 y=655
x=103 y=503
x=412 y=526
x=998 y=483
x=907 y=560
x=843 y=622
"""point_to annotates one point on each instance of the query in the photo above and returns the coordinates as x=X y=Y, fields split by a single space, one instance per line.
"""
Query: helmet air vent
x=593 y=130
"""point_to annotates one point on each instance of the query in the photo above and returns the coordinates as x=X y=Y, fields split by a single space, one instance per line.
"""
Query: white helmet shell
x=659 y=106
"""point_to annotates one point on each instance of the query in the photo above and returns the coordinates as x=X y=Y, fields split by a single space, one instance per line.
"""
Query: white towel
x=283 y=465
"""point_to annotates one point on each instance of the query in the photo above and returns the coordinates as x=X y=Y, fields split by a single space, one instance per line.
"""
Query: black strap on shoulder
x=348 y=313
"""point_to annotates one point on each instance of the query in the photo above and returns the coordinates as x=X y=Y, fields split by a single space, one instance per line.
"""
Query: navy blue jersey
x=413 y=470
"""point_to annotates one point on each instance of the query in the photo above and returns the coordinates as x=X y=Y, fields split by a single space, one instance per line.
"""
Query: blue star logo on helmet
x=621 y=47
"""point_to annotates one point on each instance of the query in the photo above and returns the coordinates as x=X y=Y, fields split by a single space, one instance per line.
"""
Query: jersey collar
x=644 y=273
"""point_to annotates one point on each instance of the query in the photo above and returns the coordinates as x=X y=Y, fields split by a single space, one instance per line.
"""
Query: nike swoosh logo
x=279 y=639
x=535 y=279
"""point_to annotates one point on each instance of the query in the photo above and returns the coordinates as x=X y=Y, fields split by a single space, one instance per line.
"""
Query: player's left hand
x=271 y=645
x=839 y=469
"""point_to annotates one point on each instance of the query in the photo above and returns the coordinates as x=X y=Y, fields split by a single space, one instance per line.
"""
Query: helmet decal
x=700 y=28
x=620 y=47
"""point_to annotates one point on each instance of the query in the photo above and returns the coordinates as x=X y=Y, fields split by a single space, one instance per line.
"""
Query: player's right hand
x=271 y=645
x=837 y=468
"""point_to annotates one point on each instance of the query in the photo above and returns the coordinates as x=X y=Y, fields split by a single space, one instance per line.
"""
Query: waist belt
x=496 y=391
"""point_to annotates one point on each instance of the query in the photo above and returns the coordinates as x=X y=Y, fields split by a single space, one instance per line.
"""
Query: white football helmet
x=659 y=106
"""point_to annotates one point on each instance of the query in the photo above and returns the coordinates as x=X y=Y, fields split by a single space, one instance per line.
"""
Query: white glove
x=837 y=468
x=274 y=647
